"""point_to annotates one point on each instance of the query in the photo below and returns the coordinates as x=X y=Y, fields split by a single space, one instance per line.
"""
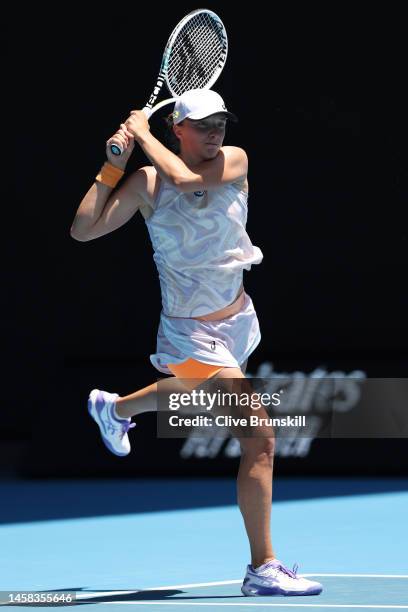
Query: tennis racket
x=194 y=58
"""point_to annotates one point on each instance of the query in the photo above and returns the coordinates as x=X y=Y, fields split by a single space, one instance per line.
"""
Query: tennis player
x=194 y=203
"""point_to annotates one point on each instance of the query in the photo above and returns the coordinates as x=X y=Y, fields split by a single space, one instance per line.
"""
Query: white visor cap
x=199 y=103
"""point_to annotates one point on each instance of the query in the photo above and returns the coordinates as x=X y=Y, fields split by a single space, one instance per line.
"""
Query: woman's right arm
x=102 y=212
x=103 y=209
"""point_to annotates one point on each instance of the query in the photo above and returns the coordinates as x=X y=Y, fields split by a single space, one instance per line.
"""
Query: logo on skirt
x=213 y=345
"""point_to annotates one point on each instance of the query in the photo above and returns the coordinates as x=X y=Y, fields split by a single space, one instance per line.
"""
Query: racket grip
x=116 y=149
x=147 y=111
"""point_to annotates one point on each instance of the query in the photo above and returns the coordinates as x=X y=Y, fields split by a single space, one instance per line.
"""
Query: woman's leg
x=146 y=399
x=254 y=481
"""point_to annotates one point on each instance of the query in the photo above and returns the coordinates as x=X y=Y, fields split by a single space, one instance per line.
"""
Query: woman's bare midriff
x=228 y=311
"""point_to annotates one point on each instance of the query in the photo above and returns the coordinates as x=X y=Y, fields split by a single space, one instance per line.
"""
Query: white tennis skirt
x=227 y=342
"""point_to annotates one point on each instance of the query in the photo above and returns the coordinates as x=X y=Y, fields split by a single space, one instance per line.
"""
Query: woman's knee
x=261 y=447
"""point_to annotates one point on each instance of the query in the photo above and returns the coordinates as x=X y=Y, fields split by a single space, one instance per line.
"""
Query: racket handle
x=116 y=149
x=147 y=111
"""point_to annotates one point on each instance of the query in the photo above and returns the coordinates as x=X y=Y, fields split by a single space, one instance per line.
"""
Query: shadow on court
x=149 y=595
x=42 y=500
x=85 y=597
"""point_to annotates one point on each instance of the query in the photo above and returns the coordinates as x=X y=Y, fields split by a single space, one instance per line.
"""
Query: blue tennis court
x=181 y=543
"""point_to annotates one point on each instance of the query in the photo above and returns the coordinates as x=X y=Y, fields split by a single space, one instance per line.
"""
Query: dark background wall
x=327 y=198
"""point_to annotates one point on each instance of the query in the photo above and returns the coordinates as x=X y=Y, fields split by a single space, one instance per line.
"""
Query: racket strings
x=202 y=38
x=197 y=54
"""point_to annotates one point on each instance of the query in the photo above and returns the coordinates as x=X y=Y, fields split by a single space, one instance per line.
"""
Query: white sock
x=262 y=567
x=115 y=414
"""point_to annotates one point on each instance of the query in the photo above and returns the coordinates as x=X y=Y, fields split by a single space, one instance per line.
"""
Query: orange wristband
x=109 y=175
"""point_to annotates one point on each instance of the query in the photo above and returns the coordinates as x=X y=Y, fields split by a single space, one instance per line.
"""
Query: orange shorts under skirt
x=191 y=368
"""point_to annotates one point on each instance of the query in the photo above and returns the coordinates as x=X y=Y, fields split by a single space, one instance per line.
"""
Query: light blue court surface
x=181 y=545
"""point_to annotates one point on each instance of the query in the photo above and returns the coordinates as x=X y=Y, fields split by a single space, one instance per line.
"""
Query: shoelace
x=118 y=425
x=122 y=428
x=281 y=568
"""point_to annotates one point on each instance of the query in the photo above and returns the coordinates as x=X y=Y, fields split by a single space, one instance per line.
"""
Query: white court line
x=360 y=575
x=218 y=583
x=177 y=603
x=199 y=584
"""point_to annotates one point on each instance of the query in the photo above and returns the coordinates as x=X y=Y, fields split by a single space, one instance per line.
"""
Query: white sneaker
x=113 y=430
x=273 y=578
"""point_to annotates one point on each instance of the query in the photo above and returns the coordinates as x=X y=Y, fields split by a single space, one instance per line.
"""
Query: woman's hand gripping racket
x=194 y=57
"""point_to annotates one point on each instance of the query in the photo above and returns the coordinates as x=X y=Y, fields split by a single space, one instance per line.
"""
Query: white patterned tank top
x=201 y=247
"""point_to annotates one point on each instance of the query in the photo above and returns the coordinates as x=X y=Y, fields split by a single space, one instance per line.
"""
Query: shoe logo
x=199 y=194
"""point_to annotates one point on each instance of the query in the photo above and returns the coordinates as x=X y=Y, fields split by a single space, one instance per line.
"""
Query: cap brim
x=229 y=116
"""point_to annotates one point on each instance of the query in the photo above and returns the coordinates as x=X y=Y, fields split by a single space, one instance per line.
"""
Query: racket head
x=195 y=53
x=194 y=57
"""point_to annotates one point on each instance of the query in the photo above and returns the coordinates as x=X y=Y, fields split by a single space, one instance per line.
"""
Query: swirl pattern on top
x=201 y=248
